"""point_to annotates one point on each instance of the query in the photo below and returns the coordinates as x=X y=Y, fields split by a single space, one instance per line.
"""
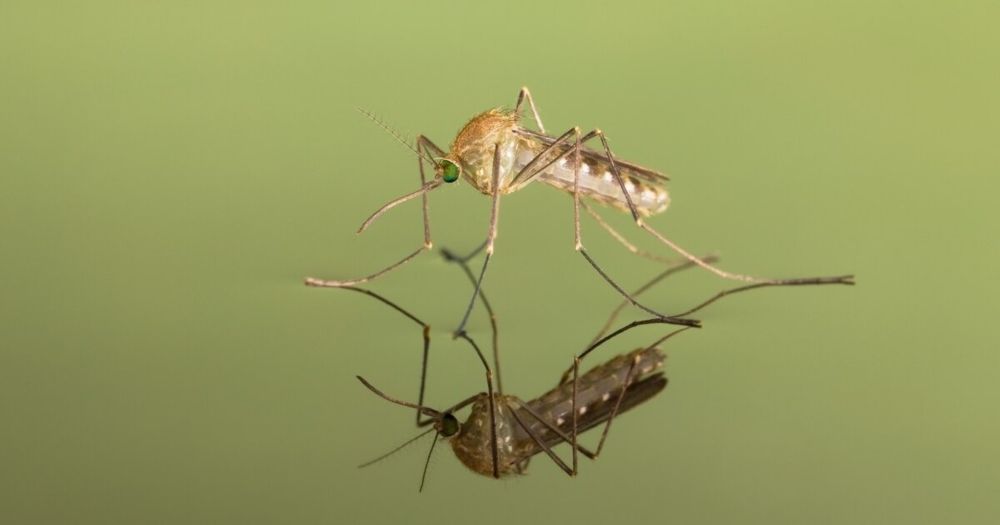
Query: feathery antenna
x=395 y=134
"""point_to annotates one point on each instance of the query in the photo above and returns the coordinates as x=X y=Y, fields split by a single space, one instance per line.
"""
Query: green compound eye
x=450 y=171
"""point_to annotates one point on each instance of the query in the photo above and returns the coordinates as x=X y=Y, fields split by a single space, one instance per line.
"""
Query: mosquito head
x=449 y=170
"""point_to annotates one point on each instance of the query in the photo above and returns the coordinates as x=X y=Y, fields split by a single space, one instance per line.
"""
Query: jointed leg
x=424 y=145
x=684 y=265
x=572 y=437
x=845 y=279
x=541 y=443
x=530 y=171
x=626 y=383
x=840 y=279
x=578 y=240
x=525 y=94
x=451 y=256
x=427 y=342
x=490 y=236
x=462 y=262
x=614 y=412
x=621 y=238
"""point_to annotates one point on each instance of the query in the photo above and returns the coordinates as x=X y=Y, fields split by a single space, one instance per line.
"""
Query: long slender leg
x=573 y=410
x=684 y=265
x=525 y=94
x=541 y=443
x=490 y=236
x=621 y=238
x=578 y=240
x=556 y=430
x=450 y=256
x=841 y=279
x=426 y=410
x=575 y=370
x=572 y=438
x=625 y=385
x=614 y=411
x=423 y=145
x=845 y=279
x=532 y=169
x=575 y=151
x=571 y=471
x=426 y=330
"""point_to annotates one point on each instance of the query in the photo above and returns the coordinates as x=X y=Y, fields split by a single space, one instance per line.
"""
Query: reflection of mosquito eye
x=449 y=425
x=450 y=171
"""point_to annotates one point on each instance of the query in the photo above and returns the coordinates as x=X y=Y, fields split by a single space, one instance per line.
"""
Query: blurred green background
x=170 y=171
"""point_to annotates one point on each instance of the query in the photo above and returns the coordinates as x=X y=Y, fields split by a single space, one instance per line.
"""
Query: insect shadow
x=498 y=155
x=503 y=432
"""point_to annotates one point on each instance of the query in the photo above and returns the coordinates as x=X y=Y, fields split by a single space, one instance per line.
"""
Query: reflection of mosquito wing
x=598 y=157
x=638 y=393
x=635 y=395
x=597 y=393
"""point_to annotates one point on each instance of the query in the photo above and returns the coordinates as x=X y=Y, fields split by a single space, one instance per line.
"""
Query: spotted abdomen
x=597 y=393
x=597 y=182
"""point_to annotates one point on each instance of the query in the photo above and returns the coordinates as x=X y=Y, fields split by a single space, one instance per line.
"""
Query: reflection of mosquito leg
x=614 y=411
x=846 y=279
x=427 y=342
x=541 y=443
x=562 y=435
x=640 y=290
x=525 y=94
x=626 y=383
x=490 y=236
x=451 y=256
x=621 y=238
x=572 y=437
x=493 y=409
x=840 y=279
x=424 y=146
x=448 y=255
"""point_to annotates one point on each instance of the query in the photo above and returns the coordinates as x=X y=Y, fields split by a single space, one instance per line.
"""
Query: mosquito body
x=527 y=428
x=524 y=151
x=502 y=432
x=497 y=154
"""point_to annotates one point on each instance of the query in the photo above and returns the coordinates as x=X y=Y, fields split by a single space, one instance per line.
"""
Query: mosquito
x=497 y=155
x=503 y=432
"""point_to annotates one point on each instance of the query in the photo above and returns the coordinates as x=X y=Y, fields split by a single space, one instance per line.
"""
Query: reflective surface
x=168 y=174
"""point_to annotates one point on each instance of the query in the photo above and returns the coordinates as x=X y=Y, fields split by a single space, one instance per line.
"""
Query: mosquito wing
x=598 y=157
x=646 y=188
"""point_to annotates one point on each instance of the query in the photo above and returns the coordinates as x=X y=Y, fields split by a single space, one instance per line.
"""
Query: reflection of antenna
x=423 y=477
x=397 y=449
x=395 y=134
